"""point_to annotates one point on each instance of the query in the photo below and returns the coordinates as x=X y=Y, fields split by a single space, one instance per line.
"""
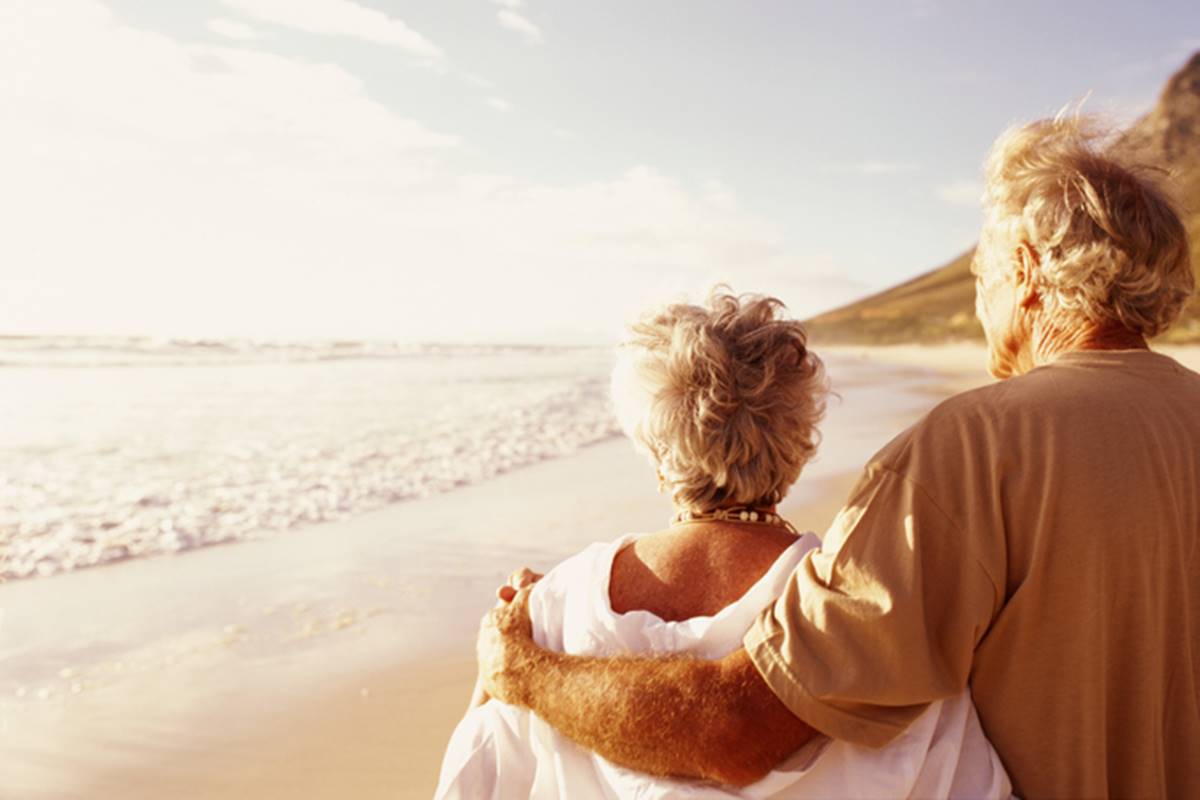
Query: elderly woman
x=1036 y=540
x=724 y=399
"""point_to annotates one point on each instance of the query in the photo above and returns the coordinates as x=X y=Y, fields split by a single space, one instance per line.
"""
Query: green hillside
x=940 y=305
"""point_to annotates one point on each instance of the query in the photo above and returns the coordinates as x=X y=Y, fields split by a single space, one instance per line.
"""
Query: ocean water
x=113 y=449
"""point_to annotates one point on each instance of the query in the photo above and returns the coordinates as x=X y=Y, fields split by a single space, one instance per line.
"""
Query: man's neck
x=1052 y=343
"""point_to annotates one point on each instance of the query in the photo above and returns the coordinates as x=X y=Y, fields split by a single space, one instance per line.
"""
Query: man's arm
x=677 y=717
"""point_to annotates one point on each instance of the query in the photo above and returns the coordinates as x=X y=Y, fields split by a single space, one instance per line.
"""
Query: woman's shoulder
x=579 y=606
x=696 y=574
x=565 y=574
x=570 y=587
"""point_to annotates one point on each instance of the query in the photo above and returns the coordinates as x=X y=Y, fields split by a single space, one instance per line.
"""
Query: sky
x=514 y=170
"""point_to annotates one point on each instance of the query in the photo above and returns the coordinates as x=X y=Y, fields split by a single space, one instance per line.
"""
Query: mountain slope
x=939 y=305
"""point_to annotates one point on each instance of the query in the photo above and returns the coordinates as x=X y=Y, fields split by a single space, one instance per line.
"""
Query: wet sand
x=334 y=661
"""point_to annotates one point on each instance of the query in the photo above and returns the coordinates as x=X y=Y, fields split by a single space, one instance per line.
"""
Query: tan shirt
x=1038 y=540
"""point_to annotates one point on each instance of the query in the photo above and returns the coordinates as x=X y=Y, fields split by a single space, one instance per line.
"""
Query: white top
x=500 y=751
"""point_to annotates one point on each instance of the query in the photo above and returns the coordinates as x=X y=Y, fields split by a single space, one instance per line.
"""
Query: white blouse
x=500 y=751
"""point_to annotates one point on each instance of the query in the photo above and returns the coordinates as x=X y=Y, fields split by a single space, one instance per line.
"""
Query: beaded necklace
x=737 y=514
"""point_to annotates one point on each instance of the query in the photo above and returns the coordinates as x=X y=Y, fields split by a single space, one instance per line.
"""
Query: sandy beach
x=334 y=661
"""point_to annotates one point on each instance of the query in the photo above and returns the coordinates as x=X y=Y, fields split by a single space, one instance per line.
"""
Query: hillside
x=940 y=305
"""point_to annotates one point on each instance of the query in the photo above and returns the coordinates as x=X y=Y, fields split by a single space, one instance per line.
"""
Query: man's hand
x=505 y=594
x=505 y=646
x=517 y=581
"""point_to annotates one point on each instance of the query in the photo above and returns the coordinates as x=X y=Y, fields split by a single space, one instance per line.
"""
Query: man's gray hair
x=1109 y=242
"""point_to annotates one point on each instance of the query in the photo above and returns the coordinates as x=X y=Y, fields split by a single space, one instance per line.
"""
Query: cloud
x=181 y=188
x=500 y=104
x=967 y=193
x=871 y=168
x=231 y=29
x=340 y=18
x=515 y=22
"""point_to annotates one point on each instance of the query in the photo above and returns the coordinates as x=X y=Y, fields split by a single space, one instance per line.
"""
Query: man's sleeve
x=882 y=620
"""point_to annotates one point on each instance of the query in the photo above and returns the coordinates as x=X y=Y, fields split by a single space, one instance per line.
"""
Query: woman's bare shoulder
x=679 y=573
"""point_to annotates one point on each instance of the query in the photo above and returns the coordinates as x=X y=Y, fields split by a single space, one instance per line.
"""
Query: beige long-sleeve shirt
x=1038 y=540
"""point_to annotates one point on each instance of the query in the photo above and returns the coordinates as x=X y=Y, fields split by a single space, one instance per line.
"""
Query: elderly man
x=1037 y=540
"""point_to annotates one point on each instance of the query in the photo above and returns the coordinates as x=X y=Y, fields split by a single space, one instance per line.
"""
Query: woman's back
x=693 y=570
x=667 y=596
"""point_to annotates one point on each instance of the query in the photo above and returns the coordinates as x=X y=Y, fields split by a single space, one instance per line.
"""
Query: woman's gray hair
x=724 y=397
x=1109 y=242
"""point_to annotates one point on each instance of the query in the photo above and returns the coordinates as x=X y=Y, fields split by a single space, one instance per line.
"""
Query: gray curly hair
x=1109 y=242
x=725 y=399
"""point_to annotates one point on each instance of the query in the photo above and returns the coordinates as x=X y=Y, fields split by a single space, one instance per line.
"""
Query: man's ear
x=1026 y=263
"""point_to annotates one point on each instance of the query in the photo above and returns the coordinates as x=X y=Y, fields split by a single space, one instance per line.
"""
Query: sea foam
x=121 y=460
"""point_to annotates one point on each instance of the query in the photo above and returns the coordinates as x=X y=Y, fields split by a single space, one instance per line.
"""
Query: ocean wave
x=84 y=504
